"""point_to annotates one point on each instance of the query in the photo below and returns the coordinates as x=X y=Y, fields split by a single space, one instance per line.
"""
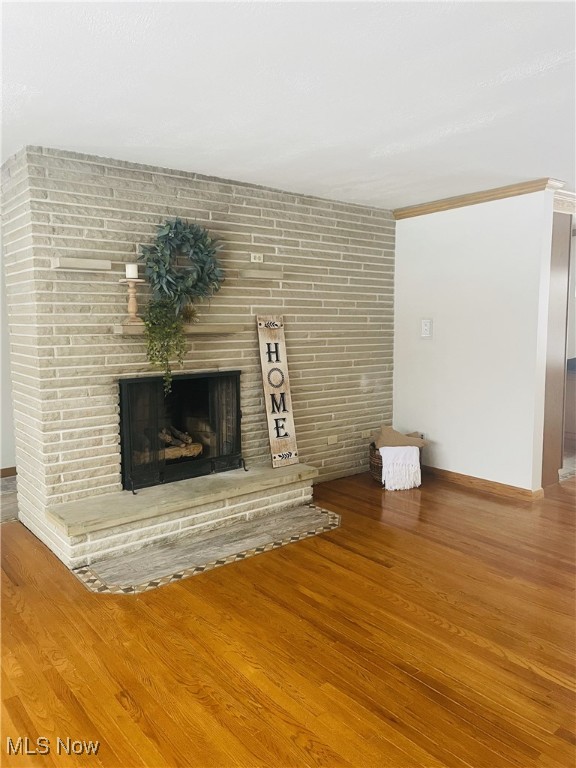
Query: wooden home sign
x=276 y=383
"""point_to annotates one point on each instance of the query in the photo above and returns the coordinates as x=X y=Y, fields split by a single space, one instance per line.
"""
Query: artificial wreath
x=182 y=268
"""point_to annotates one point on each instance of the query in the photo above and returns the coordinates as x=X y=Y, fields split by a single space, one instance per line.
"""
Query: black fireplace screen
x=192 y=431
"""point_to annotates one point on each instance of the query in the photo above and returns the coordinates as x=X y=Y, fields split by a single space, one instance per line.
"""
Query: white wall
x=7 y=448
x=476 y=389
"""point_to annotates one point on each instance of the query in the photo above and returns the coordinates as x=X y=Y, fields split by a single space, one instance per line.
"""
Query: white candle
x=132 y=271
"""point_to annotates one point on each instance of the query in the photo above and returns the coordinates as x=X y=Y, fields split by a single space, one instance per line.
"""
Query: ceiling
x=384 y=103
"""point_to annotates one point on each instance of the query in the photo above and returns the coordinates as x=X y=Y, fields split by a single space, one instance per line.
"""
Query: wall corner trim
x=473 y=198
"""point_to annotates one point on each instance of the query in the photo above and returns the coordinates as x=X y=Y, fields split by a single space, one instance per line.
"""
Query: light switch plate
x=426 y=328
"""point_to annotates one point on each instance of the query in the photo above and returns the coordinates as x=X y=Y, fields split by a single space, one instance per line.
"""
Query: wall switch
x=332 y=439
x=426 y=329
x=367 y=433
x=257 y=257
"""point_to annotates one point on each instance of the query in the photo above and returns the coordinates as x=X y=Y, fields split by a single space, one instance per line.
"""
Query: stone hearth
x=112 y=523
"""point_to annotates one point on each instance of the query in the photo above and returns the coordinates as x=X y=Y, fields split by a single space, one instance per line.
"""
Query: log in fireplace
x=194 y=430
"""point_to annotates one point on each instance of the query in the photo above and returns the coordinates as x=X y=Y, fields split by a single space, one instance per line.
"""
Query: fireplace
x=193 y=430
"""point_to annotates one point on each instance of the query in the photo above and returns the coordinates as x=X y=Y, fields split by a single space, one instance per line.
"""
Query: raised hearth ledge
x=97 y=513
x=192 y=329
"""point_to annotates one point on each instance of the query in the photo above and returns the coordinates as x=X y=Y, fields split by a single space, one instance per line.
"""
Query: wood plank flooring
x=434 y=628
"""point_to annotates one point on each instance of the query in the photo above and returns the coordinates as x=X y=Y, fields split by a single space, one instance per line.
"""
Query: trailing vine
x=182 y=268
x=165 y=338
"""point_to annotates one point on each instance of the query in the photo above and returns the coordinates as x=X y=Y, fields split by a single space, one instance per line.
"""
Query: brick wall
x=335 y=293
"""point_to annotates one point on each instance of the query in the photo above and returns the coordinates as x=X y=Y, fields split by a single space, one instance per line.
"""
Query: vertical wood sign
x=276 y=384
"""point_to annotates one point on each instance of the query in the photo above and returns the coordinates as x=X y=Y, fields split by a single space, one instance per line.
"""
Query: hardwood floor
x=434 y=628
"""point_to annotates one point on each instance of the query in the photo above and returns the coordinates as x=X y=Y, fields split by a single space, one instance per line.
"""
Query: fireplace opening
x=194 y=430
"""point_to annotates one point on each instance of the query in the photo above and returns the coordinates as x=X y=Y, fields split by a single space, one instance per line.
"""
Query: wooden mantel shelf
x=193 y=329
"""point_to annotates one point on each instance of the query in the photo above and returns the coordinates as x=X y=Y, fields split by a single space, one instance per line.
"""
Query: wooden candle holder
x=132 y=318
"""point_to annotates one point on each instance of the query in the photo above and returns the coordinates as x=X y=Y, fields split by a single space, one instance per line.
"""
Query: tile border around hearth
x=94 y=583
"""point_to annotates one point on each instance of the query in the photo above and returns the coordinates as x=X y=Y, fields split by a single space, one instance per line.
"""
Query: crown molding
x=555 y=184
x=498 y=193
x=565 y=202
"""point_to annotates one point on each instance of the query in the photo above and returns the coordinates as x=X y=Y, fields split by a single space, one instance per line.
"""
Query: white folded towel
x=400 y=467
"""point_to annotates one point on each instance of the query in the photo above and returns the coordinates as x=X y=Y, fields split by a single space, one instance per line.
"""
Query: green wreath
x=181 y=267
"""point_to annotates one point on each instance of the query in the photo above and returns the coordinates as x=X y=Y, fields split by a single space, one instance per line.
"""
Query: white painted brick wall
x=335 y=293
